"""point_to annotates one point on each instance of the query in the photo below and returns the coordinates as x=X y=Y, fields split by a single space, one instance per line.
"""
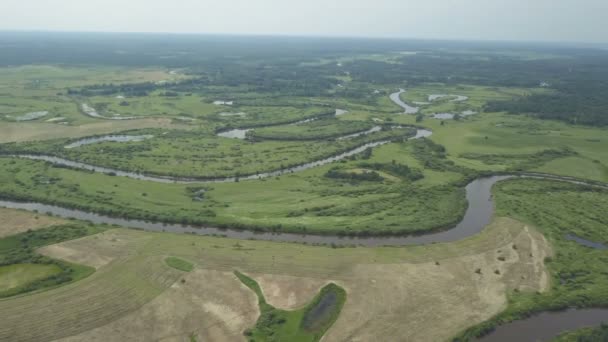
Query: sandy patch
x=96 y=251
x=287 y=292
x=430 y=302
x=210 y=305
x=17 y=221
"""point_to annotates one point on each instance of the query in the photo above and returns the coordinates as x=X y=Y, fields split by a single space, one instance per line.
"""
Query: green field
x=179 y=264
x=17 y=275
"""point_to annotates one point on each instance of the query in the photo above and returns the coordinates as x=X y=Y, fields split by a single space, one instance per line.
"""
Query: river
x=396 y=98
x=546 y=326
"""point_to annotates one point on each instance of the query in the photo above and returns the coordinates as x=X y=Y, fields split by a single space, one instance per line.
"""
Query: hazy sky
x=550 y=20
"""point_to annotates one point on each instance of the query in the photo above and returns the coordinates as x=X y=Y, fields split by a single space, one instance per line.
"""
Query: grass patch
x=27 y=271
x=307 y=324
x=17 y=275
x=318 y=129
x=179 y=264
x=585 y=335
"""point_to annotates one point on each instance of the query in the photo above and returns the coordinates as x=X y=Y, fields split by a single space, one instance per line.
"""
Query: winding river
x=396 y=98
x=478 y=215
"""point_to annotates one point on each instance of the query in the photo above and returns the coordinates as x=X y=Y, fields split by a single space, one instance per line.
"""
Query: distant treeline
x=578 y=102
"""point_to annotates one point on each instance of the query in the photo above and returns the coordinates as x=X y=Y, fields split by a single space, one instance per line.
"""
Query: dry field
x=17 y=221
x=419 y=293
x=18 y=132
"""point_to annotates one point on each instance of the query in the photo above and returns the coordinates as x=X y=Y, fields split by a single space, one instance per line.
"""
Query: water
x=111 y=138
x=443 y=116
x=586 y=243
x=341 y=112
x=450 y=116
x=92 y=112
x=236 y=133
x=358 y=134
x=224 y=103
x=457 y=98
x=546 y=326
x=395 y=97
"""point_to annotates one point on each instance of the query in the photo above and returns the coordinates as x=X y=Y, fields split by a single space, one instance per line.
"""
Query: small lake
x=547 y=325
x=109 y=138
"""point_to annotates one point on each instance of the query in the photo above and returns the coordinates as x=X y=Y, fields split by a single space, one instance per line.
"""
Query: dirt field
x=17 y=221
x=287 y=292
x=209 y=305
x=430 y=302
x=393 y=293
x=96 y=251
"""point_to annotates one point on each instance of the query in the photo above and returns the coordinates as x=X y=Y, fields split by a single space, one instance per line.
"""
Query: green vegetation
x=23 y=270
x=179 y=264
x=520 y=162
x=307 y=324
x=315 y=130
x=578 y=277
x=17 y=275
x=198 y=154
x=309 y=203
x=585 y=335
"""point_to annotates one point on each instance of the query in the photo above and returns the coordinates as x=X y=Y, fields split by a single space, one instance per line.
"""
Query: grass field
x=179 y=264
x=17 y=275
x=315 y=130
x=16 y=221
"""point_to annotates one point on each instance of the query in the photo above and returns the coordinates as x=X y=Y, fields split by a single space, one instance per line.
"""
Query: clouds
x=558 y=20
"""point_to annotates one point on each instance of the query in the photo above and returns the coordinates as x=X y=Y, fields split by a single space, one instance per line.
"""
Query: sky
x=529 y=20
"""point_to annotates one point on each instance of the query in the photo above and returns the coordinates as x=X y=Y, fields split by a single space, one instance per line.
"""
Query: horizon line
x=303 y=35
